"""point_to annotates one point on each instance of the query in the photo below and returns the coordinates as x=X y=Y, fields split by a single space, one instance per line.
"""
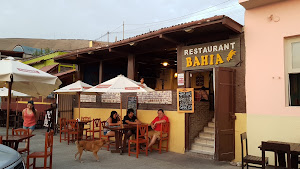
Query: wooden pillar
x=100 y=72
x=131 y=66
x=78 y=73
x=186 y=84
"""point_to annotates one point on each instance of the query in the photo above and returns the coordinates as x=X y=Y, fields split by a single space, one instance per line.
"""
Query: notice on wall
x=88 y=98
x=110 y=98
x=157 y=97
x=132 y=102
x=185 y=100
x=180 y=79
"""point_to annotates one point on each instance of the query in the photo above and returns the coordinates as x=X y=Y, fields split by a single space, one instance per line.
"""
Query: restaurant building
x=207 y=54
x=272 y=40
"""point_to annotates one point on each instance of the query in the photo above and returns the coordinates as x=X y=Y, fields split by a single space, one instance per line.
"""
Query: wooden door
x=224 y=114
x=65 y=106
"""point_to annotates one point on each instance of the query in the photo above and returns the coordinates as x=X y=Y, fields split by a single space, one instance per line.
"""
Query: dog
x=93 y=146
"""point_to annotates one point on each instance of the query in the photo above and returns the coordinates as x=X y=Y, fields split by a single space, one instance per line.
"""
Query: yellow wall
x=271 y=127
x=177 y=123
x=170 y=82
x=240 y=127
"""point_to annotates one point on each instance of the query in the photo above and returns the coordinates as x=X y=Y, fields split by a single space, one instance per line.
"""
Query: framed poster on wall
x=185 y=100
x=132 y=102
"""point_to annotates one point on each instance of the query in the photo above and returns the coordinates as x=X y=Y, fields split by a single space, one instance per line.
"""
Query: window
x=292 y=67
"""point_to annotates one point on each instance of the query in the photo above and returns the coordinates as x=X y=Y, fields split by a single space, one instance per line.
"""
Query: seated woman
x=113 y=120
x=130 y=118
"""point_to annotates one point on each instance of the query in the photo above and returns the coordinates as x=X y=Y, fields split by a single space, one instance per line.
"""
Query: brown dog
x=93 y=146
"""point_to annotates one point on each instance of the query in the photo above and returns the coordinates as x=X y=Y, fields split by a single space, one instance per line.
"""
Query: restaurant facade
x=205 y=56
x=272 y=39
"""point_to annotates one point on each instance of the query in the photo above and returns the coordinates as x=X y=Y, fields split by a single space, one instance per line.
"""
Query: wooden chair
x=86 y=126
x=107 y=138
x=276 y=148
x=44 y=154
x=63 y=128
x=141 y=138
x=22 y=132
x=96 y=128
x=164 y=136
x=73 y=130
x=0 y=139
x=246 y=158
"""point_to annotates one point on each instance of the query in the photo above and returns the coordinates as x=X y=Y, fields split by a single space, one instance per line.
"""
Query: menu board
x=185 y=100
x=87 y=98
x=110 y=98
x=156 y=97
x=132 y=102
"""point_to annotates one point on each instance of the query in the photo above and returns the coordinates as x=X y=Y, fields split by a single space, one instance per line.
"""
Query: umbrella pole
x=8 y=107
x=121 y=106
x=79 y=105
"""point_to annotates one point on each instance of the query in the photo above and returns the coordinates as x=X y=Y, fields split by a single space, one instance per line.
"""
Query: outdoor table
x=295 y=151
x=13 y=141
x=119 y=131
x=81 y=127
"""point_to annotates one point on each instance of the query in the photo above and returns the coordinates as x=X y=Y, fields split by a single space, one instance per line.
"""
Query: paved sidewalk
x=63 y=157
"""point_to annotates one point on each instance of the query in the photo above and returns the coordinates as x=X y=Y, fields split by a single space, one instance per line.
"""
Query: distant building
x=28 y=51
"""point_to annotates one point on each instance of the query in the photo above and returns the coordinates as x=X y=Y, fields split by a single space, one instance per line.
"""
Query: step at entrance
x=204 y=144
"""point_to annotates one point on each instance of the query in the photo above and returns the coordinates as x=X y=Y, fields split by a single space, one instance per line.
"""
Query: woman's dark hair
x=129 y=111
x=112 y=114
x=161 y=110
x=33 y=108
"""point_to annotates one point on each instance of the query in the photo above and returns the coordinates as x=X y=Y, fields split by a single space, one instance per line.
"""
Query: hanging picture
x=199 y=80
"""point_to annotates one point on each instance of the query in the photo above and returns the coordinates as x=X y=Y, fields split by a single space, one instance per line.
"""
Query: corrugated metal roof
x=48 y=68
x=27 y=49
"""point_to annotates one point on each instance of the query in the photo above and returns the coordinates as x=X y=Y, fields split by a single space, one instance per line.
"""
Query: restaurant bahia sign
x=225 y=53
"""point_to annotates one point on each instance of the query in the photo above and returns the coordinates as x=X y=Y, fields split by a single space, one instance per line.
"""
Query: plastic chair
x=22 y=132
x=141 y=138
x=63 y=128
x=276 y=148
x=246 y=158
x=43 y=154
x=86 y=126
x=73 y=129
x=164 y=136
x=96 y=128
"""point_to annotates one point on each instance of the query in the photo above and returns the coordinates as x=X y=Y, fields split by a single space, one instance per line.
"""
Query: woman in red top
x=156 y=126
x=29 y=117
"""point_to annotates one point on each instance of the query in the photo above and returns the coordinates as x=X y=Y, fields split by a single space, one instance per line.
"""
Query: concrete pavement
x=63 y=157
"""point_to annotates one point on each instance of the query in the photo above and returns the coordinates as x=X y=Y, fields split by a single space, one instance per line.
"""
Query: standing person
x=156 y=126
x=29 y=116
x=130 y=118
x=113 y=120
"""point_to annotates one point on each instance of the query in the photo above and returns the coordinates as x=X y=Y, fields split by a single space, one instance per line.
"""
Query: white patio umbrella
x=26 y=79
x=74 y=89
x=120 y=84
x=14 y=94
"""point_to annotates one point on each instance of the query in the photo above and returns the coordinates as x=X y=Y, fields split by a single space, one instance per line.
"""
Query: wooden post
x=121 y=105
x=79 y=104
x=100 y=72
x=131 y=66
x=8 y=107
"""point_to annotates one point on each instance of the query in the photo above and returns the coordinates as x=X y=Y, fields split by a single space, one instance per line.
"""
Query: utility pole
x=108 y=38
x=123 y=30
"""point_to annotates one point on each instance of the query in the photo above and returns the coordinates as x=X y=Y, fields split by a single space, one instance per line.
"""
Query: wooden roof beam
x=161 y=36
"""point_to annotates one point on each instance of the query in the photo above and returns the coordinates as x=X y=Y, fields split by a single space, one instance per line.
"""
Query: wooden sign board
x=132 y=102
x=185 y=100
x=225 y=53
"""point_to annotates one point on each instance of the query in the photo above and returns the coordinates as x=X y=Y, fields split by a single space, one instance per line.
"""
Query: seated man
x=130 y=118
x=156 y=126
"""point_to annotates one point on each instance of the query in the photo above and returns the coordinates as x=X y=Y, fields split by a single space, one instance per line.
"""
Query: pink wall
x=265 y=77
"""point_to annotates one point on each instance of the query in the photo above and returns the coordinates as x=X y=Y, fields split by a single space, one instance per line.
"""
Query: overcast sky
x=91 y=19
